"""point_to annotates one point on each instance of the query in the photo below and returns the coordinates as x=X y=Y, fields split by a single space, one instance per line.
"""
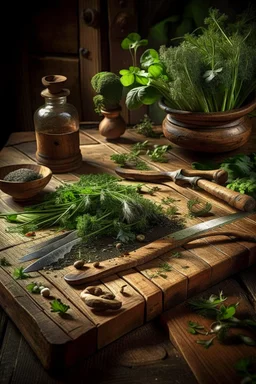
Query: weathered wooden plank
x=45 y=36
x=248 y=279
x=173 y=283
x=91 y=62
x=217 y=364
x=44 y=343
x=110 y=324
x=151 y=293
x=196 y=270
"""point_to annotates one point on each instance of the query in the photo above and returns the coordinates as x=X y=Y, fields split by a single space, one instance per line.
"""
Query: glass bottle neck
x=56 y=100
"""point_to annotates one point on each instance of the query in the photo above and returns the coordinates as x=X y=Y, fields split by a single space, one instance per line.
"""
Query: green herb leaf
x=206 y=343
x=18 y=274
x=33 y=287
x=58 y=306
x=247 y=340
x=4 y=262
x=227 y=312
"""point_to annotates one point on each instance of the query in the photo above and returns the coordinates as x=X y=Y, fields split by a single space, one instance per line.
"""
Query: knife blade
x=151 y=251
x=52 y=256
x=49 y=246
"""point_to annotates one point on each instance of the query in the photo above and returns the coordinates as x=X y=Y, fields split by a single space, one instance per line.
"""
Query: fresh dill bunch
x=96 y=205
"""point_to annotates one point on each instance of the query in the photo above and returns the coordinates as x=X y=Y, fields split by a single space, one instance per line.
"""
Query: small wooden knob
x=54 y=83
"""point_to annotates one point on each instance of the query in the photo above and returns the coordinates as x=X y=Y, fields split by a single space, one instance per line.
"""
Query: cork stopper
x=54 y=84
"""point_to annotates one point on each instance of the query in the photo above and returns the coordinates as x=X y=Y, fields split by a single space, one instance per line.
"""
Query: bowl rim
x=25 y=165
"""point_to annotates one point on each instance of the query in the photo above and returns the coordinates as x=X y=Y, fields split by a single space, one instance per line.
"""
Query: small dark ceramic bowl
x=21 y=191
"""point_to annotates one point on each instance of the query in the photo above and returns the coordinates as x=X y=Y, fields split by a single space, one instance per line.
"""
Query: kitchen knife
x=155 y=249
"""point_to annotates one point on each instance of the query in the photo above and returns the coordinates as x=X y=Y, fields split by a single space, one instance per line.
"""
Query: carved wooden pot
x=215 y=132
x=113 y=125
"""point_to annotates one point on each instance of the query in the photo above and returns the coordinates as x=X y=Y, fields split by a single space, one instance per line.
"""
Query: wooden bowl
x=21 y=191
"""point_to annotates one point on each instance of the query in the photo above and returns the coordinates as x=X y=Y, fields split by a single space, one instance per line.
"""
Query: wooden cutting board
x=215 y=365
x=58 y=340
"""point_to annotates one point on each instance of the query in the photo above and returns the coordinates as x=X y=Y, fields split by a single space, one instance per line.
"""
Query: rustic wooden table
x=131 y=346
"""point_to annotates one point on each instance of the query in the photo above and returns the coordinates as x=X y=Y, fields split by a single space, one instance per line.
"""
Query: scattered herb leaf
x=18 y=274
x=58 y=306
x=145 y=127
x=176 y=255
x=33 y=287
x=206 y=343
x=4 y=262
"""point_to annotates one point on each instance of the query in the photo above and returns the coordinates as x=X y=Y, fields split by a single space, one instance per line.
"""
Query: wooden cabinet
x=73 y=38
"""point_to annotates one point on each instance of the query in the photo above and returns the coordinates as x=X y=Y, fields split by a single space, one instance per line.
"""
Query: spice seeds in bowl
x=12 y=180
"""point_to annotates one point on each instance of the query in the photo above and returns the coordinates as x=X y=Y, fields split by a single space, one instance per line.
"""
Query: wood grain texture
x=201 y=264
x=215 y=365
x=151 y=293
x=90 y=39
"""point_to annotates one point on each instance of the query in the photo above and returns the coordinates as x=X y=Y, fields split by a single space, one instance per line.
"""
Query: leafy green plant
x=241 y=171
x=212 y=69
x=134 y=74
x=109 y=89
x=58 y=306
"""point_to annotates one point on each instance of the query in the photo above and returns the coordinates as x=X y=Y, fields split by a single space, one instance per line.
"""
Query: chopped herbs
x=176 y=255
x=129 y=160
x=224 y=321
x=145 y=127
x=22 y=175
x=158 y=153
x=168 y=200
x=164 y=267
x=58 y=306
x=4 y=262
x=18 y=274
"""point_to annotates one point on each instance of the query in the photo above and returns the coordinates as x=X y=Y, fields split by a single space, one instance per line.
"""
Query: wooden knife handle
x=151 y=176
x=141 y=256
x=235 y=199
x=218 y=175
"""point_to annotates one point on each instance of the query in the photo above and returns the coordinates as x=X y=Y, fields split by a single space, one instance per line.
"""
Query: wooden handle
x=218 y=175
x=152 y=176
x=141 y=256
x=235 y=199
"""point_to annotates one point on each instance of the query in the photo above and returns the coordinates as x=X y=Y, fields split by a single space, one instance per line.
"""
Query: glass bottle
x=57 y=128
